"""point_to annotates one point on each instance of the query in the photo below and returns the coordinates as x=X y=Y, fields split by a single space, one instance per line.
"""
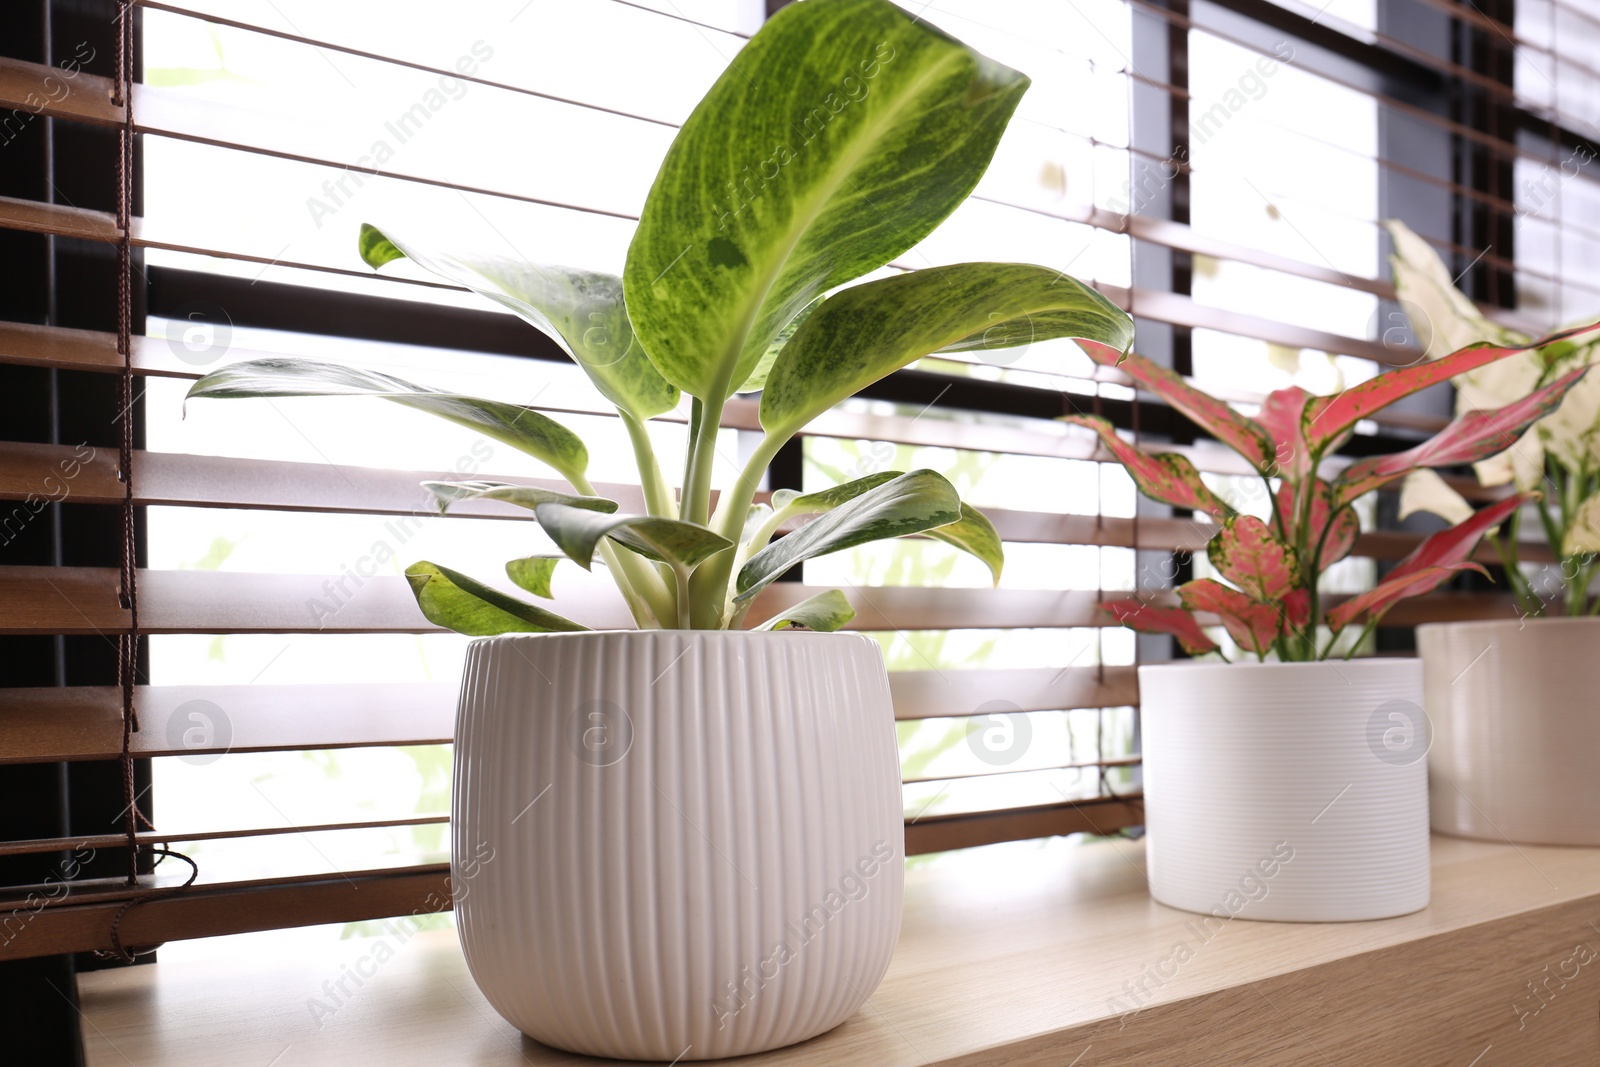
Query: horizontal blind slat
x=32 y=473
x=83 y=600
x=38 y=846
x=85 y=722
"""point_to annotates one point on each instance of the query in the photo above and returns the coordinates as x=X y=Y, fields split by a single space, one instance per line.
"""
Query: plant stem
x=1308 y=558
x=709 y=590
x=648 y=599
x=1506 y=549
x=681 y=587
x=696 y=503
x=1366 y=631
x=658 y=498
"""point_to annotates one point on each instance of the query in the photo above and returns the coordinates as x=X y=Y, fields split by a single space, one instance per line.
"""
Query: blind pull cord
x=128 y=595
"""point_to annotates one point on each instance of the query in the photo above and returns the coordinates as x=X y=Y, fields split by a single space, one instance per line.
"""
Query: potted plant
x=1293 y=787
x=685 y=841
x=1513 y=728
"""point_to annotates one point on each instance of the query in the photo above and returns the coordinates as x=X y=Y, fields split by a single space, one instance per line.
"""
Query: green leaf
x=828 y=499
x=974 y=533
x=825 y=612
x=467 y=606
x=527 y=496
x=909 y=504
x=870 y=330
x=533 y=573
x=576 y=531
x=838 y=138
x=758 y=377
x=520 y=427
x=580 y=310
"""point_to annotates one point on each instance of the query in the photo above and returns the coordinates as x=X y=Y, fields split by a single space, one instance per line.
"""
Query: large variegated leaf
x=1571 y=433
x=825 y=612
x=912 y=503
x=873 y=329
x=526 y=496
x=837 y=138
x=1448 y=320
x=1151 y=619
x=1328 y=417
x=1468 y=439
x=1336 y=542
x=1252 y=624
x=1372 y=604
x=1253 y=558
x=580 y=310
x=1211 y=415
x=522 y=428
x=1165 y=477
x=797 y=503
x=1583 y=533
x=576 y=531
x=451 y=599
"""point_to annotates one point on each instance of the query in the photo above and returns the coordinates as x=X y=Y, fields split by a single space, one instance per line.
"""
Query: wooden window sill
x=1015 y=954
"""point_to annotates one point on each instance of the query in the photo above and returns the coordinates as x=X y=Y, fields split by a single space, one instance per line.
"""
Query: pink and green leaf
x=1297 y=610
x=1346 y=524
x=1327 y=417
x=1254 y=626
x=1166 y=477
x=1372 y=604
x=1455 y=545
x=1429 y=564
x=1279 y=418
x=1474 y=436
x=1253 y=558
x=1150 y=619
x=1212 y=415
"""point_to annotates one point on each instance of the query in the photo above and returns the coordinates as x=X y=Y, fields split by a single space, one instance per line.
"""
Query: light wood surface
x=1014 y=954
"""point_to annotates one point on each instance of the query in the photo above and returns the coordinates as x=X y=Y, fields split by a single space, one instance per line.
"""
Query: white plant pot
x=1516 y=729
x=676 y=844
x=1288 y=791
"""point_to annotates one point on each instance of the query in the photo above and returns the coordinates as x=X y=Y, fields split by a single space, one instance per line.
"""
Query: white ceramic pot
x=676 y=844
x=1288 y=791
x=1516 y=729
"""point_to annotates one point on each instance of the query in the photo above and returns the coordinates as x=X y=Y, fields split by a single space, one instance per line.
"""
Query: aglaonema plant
x=1560 y=454
x=838 y=138
x=1271 y=603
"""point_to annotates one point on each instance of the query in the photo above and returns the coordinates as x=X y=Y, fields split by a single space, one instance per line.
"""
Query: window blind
x=275 y=631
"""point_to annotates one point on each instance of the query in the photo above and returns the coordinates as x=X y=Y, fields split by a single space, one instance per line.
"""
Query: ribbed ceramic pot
x=676 y=844
x=1288 y=791
x=1516 y=729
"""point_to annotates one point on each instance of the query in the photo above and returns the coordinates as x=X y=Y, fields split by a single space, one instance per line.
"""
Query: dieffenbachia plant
x=838 y=138
x=1270 y=603
x=1560 y=455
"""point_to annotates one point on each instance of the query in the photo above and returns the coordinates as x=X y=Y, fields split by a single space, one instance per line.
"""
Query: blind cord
x=128 y=643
